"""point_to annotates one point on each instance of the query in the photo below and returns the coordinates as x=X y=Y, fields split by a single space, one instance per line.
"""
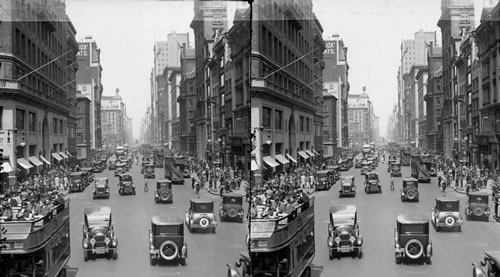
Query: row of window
x=58 y=125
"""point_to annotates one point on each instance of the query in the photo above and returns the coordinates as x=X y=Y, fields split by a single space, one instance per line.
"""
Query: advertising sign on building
x=83 y=54
x=330 y=50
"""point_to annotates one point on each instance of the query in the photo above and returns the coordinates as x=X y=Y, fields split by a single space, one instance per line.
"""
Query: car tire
x=173 y=250
x=459 y=229
x=398 y=259
x=85 y=257
x=183 y=261
x=330 y=255
x=115 y=255
x=152 y=260
x=478 y=211
x=428 y=260
x=360 y=253
x=204 y=222
x=415 y=244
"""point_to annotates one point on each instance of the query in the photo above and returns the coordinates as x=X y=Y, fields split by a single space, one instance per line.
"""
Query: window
x=278 y=119
x=1 y=116
x=54 y=126
x=32 y=150
x=266 y=117
x=20 y=114
x=61 y=129
x=308 y=124
x=278 y=148
x=31 y=122
x=301 y=123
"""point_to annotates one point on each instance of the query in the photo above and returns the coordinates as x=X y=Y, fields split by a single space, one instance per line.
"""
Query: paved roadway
x=453 y=253
x=208 y=254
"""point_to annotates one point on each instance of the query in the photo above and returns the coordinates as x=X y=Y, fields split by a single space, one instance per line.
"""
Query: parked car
x=325 y=179
x=163 y=191
x=98 y=234
x=390 y=162
x=166 y=240
x=476 y=207
x=446 y=214
x=231 y=207
x=119 y=170
x=372 y=183
x=489 y=266
x=89 y=176
x=200 y=215
x=101 y=190
x=97 y=168
x=411 y=238
x=149 y=171
x=347 y=186
x=409 y=192
x=343 y=232
x=126 y=185
x=396 y=169
x=76 y=180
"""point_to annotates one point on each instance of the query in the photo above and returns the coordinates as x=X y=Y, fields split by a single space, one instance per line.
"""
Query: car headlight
x=337 y=239
x=352 y=239
x=114 y=243
x=330 y=241
x=92 y=241
x=107 y=240
x=85 y=243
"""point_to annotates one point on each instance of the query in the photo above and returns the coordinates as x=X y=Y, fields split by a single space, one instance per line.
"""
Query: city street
x=208 y=254
x=453 y=253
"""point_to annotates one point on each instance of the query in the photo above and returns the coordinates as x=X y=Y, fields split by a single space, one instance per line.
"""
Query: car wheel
x=92 y=256
x=115 y=255
x=459 y=229
x=414 y=249
x=398 y=260
x=183 y=261
x=85 y=256
x=330 y=255
x=428 y=260
x=360 y=253
x=169 y=250
x=152 y=260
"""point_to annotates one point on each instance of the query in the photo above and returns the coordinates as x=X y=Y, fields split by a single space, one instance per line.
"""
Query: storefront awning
x=6 y=168
x=282 y=159
x=57 y=157
x=63 y=155
x=315 y=152
x=253 y=165
x=291 y=158
x=310 y=153
x=270 y=161
x=303 y=155
x=35 y=161
x=69 y=154
x=44 y=160
x=22 y=162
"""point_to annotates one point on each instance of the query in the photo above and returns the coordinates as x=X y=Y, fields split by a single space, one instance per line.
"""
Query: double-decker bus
x=284 y=245
x=39 y=247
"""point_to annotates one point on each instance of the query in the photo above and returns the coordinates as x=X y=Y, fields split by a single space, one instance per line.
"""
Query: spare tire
x=164 y=195
x=232 y=212
x=169 y=250
x=478 y=211
x=411 y=194
x=414 y=249
x=204 y=222
x=450 y=220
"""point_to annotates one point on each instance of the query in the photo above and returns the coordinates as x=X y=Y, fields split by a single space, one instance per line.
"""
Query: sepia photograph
x=238 y=138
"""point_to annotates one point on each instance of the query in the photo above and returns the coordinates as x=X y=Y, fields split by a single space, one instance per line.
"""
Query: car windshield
x=447 y=206
x=98 y=229
x=126 y=178
x=101 y=184
x=168 y=230
x=163 y=185
x=233 y=200
x=372 y=177
x=410 y=184
x=412 y=229
x=203 y=207
x=343 y=228
x=478 y=199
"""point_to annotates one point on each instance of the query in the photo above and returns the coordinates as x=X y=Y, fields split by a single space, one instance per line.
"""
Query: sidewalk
x=462 y=190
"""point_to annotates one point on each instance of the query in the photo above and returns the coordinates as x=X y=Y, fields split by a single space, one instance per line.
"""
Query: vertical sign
x=331 y=51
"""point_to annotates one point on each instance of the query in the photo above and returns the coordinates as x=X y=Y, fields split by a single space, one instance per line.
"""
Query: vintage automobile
x=119 y=170
x=347 y=186
x=325 y=179
x=396 y=169
x=372 y=183
x=98 y=234
x=374 y=162
x=112 y=165
x=101 y=190
x=88 y=174
x=389 y=164
x=409 y=192
x=243 y=264
x=126 y=185
x=335 y=172
x=163 y=191
x=149 y=171
x=97 y=168
x=411 y=238
x=166 y=240
x=433 y=172
x=367 y=167
x=343 y=232
x=446 y=214
x=200 y=215
x=344 y=165
x=76 y=180
x=231 y=207
x=489 y=266
x=476 y=207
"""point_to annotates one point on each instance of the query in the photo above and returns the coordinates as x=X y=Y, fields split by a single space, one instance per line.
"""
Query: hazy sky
x=125 y=30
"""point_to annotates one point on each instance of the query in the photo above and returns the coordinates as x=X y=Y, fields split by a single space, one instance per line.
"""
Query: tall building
x=457 y=17
x=210 y=17
x=286 y=55
x=113 y=120
x=360 y=113
x=187 y=101
x=434 y=99
x=158 y=88
x=88 y=84
x=34 y=106
x=336 y=84
x=83 y=129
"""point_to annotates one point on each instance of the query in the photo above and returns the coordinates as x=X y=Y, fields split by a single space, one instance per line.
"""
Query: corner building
x=286 y=54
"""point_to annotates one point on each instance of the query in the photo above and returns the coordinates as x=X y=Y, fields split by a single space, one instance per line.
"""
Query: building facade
x=88 y=84
x=34 y=106
x=360 y=116
x=187 y=102
x=83 y=130
x=434 y=100
x=113 y=120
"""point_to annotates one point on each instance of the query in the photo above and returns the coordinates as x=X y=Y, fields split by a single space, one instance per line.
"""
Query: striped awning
x=63 y=155
x=281 y=159
x=23 y=163
x=310 y=153
x=34 y=160
x=69 y=154
x=315 y=152
x=253 y=165
x=44 y=160
x=291 y=158
x=6 y=168
x=270 y=161
x=303 y=155
x=57 y=156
